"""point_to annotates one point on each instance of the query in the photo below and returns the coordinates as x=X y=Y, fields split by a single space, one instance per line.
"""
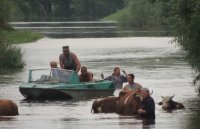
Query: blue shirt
x=118 y=80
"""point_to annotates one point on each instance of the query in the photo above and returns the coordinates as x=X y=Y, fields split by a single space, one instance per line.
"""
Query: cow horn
x=151 y=92
x=162 y=96
x=172 y=96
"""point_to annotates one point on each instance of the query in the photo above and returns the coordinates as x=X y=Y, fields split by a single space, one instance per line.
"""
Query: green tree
x=185 y=21
x=47 y=10
x=95 y=9
x=5 y=10
x=140 y=15
x=10 y=56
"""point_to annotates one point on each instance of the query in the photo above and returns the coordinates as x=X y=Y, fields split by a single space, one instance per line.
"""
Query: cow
x=8 y=108
x=127 y=103
x=105 y=105
x=168 y=104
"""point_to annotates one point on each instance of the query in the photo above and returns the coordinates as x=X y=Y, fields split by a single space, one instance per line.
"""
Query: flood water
x=156 y=63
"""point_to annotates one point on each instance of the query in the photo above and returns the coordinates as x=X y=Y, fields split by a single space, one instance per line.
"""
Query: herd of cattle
x=126 y=104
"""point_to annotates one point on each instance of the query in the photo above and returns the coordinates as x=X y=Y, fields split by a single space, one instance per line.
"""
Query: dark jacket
x=148 y=105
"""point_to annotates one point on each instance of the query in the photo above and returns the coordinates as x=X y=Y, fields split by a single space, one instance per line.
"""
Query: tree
x=10 y=56
x=95 y=9
x=49 y=10
x=140 y=15
x=5 y=10
x=185 y=20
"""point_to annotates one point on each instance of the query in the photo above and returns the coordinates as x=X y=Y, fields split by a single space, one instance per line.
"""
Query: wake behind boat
x=43 y=84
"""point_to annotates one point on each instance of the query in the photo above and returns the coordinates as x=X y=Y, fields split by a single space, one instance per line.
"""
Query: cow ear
x=160 y=103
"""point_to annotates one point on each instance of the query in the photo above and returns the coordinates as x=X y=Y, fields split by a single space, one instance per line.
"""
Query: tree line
x=63 y=10
x=184 y=19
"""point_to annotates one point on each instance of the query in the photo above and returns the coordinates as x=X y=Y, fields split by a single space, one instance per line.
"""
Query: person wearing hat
x=69 y=60
x=147 y=109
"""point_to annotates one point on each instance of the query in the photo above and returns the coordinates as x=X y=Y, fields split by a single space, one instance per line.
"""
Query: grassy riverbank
x=11 y=57
x=20 y=36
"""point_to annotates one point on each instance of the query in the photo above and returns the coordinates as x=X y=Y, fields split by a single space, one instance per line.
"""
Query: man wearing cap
x=69 y=60
x=147 y=109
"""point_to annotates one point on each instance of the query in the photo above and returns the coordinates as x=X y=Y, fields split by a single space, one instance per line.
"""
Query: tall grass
x=10 y=57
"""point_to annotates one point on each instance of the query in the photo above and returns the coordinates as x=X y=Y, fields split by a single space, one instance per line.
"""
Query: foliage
x=19 y=36
x=5 y=10
x=185 y=20
x=88 y=9
x=11 y=57
x=139 y=15
x=62 y=10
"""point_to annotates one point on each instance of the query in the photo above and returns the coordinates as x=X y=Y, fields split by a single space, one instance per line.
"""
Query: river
x=156 y=63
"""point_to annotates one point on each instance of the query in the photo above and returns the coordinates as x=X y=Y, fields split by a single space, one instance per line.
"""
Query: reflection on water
x=193 y=116
x=78 y=29
x=156 y=64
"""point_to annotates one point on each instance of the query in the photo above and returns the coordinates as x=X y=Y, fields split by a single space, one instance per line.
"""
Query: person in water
x=85 y=76
x=147 y=109
x=131 y=84
x=117 y=78
x=69 y=60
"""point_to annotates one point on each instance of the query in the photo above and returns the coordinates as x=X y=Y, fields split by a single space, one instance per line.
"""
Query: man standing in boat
x=69 y=60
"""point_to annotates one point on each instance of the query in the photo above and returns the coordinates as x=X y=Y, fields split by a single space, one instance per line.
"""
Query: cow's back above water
x=8 y=108
x=126 y=104
x=105 y=105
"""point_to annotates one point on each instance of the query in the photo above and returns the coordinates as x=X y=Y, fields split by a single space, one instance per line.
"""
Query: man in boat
x=117 y=78
x=85 y=76
x=147 y=109
x=69 y=60
x=131 y=84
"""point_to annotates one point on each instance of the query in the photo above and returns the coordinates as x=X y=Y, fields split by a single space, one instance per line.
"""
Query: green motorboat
x=43 y=84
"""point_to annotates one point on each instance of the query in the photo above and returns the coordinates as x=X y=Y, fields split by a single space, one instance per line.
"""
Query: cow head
x=167 y=102
x=129 y=103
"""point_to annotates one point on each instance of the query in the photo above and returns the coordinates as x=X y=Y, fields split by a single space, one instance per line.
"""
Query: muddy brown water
x=156 y=63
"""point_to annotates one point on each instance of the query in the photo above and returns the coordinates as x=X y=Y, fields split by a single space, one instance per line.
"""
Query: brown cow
x=126 y=104
x=168 y=104
x=105 y=105
x=8 y=108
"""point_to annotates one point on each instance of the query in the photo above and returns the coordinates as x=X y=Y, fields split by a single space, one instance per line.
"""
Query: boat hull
x=60 y=94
